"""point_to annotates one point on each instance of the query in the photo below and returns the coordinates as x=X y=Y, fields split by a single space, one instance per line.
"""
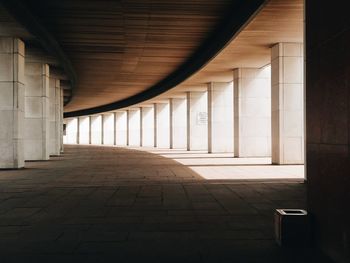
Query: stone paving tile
x=104 y=204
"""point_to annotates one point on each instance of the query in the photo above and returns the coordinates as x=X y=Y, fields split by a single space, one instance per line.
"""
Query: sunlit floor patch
x=250 y=172
x=216 y=166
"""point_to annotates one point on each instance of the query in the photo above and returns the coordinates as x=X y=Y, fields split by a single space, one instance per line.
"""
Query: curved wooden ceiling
x=127 y=52
x=278 y=21
x=121 y=48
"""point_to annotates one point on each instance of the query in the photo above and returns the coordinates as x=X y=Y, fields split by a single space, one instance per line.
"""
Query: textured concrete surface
x=98 y=204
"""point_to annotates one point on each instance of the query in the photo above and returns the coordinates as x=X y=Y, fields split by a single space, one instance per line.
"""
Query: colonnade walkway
x=104 y=204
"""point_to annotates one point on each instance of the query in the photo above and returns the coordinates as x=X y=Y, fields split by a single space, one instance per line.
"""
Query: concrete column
x=121 y=128
x=58 y=117
x=287 y=103
x=78 y=130
x=162 y=125
x=178 y=123
x=115 y=128
x=11 y=103
x=147 y=126
x=134 y=127
x=96 y=130
x=71 y=136
x=252 y=112
x=220 y=117
x=54 y=115
x=102 y=128
x=155 y=124
x=61 y=120
x=90 y=130
x=108 y=129
x=197 y=121
x=36 y=123
x=84 y=130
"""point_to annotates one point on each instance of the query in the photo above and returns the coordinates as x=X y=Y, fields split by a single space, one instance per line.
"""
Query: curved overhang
x=29 y=21
x=242 y=12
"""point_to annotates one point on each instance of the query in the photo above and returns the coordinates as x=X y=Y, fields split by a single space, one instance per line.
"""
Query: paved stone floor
x=105 y=204
x=224 y=166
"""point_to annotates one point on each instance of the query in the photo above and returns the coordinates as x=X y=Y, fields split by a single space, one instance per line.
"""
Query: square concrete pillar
x=287 y=103
x=178 y=123
x=96 y=129
x=147 y=126
x=252 y=112
x=84 y=129
x=134 y=134
x=72 y=127
x=197 y=121
x=12 y=81
x=121 y=128
x=162 y=124
x=36 y=123
x=90 y=124
x=108 y=128
x=54 y=116
x=220 y=117
x=61 y=119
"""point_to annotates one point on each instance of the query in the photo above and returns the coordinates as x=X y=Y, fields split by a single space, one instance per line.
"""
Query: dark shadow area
x=106 y=204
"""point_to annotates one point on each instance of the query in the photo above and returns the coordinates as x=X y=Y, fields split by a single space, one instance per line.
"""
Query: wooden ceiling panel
x=278 y=21
x=121 y=48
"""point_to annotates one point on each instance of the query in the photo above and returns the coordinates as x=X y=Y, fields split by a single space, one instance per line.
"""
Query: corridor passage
x=108 y=204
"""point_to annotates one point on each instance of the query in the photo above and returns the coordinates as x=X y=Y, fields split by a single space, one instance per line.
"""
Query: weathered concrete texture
x=162 y=125
x=220 y=117
x=197 y=121
x=36 y=126
x=328 y=124
x=60 y=118
x=147 y=126
x=134 y=132
x=121 y=127
x=287 y=77
x=252 y=112
x=54 y=115
x=178 y=123
x=12 y=81
x=104 y=204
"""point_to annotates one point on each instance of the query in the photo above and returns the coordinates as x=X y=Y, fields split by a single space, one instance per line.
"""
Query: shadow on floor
x=104 y=204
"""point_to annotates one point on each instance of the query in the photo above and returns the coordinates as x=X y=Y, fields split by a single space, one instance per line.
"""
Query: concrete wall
x=121 y=128
x=252 y=112
x=96 y=129
x=147 y=126
x=178 y=123
x=54 y=116
x=134 y=134
x=84 y=130
x=220 y=117
x=287 y=103
x=108 y=129
x=328 y=124
x=61 y=120
x=11 y=102
x=71 y=136
x=162 y=122
x=197 y=121
x=36 y=126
